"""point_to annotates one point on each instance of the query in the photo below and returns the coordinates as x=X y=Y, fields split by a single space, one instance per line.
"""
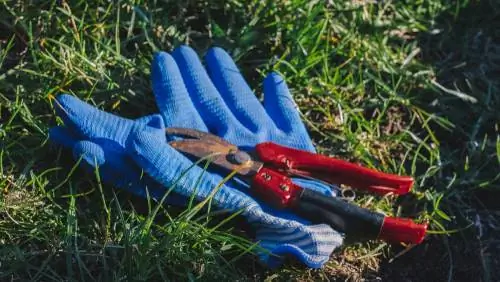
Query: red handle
x=395 y=230
x=332 y=170
x=277 y=189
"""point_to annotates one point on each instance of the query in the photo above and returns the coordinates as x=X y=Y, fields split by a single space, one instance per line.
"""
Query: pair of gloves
x=216 y=100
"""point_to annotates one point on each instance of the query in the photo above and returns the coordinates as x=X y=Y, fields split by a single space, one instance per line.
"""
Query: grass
x=409 y=87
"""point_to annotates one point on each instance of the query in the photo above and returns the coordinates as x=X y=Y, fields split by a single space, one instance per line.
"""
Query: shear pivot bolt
x=266 y=177
x=239 y=158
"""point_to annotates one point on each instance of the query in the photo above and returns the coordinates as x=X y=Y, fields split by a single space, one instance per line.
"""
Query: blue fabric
x=217 y=100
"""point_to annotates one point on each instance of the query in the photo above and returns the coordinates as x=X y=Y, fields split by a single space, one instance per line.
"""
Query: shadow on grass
x=464 y=51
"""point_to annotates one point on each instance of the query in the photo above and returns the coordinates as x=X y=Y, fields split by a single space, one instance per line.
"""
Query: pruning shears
x=269 y=168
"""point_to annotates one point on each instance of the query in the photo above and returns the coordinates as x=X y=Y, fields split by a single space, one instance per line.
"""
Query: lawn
x=408 y=87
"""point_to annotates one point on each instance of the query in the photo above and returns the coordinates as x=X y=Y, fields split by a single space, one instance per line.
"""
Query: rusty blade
x=197 y=134
x=218 y=151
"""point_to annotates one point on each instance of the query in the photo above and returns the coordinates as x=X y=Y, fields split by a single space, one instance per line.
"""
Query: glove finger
x=233 y=88
x=90 y=152
x=113 y=167
x=62 y=136
x=171 y=94
x=280 y=105
x=90 y=122
x=214 y=111
x=116 y=168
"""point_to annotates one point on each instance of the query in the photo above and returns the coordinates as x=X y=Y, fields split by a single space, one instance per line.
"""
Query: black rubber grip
x=354 y=221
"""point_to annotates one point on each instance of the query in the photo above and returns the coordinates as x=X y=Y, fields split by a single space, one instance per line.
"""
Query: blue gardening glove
x=187 y=97
x=221 y=102
x=100 y=137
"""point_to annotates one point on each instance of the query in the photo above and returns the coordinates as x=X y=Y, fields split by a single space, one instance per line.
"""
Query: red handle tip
x=400 y=230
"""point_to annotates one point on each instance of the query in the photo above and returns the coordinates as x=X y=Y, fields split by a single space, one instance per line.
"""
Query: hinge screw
x=239 y=158
x=266 y=176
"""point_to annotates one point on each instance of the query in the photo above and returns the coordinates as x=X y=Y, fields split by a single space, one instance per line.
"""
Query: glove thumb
x=91 y=153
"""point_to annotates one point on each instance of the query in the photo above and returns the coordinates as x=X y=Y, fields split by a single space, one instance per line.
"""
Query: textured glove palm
x=219 y=102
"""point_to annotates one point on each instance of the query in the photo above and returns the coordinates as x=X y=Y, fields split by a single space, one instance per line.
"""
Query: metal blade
x=197 y=134
x=222 y=154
